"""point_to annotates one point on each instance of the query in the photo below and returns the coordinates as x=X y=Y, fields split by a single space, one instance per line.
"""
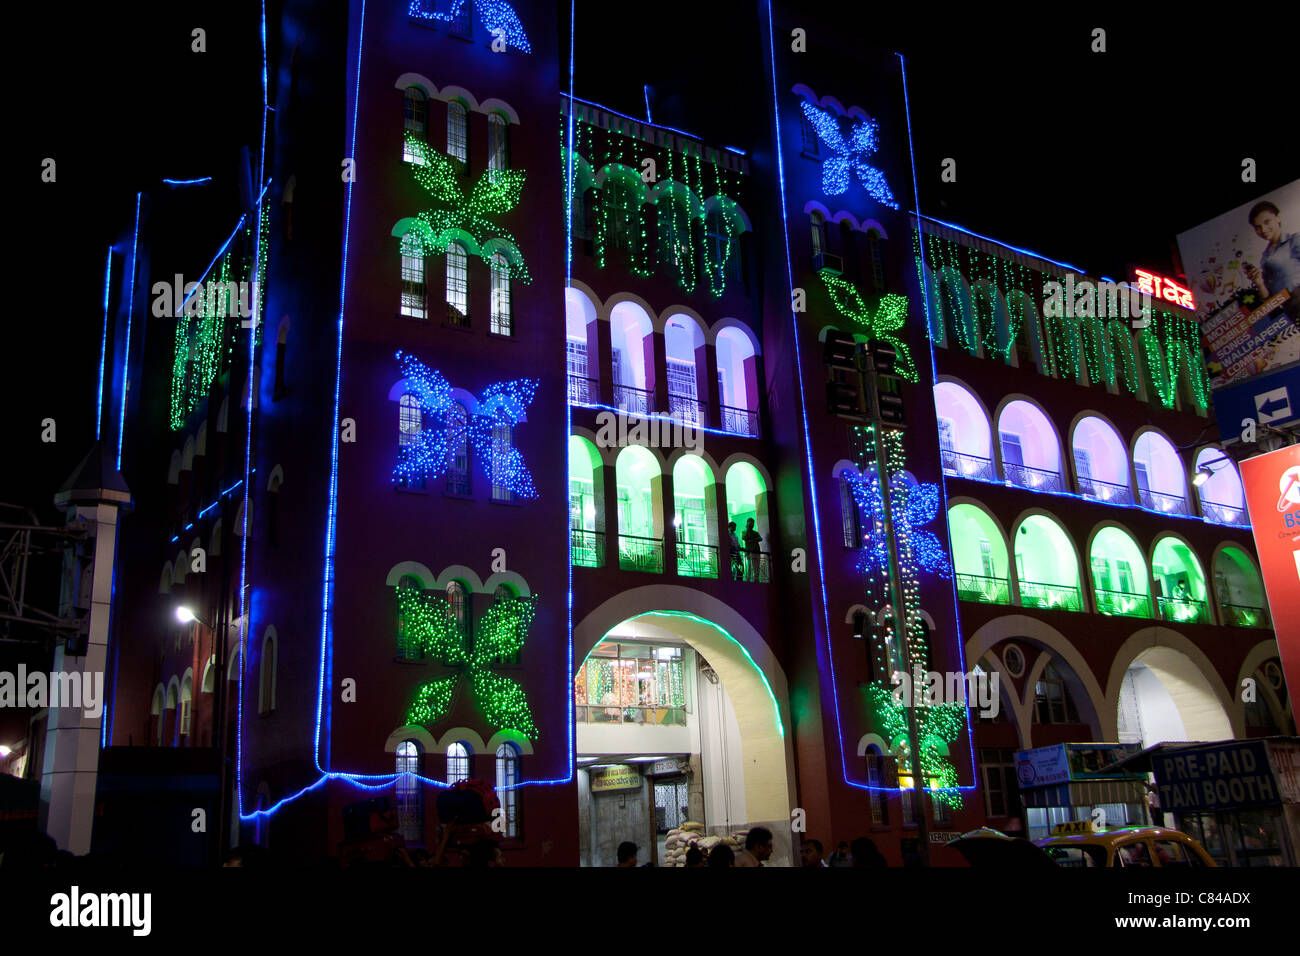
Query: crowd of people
x=862 y=852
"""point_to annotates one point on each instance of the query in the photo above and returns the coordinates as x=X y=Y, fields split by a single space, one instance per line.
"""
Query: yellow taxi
x=1078 y=844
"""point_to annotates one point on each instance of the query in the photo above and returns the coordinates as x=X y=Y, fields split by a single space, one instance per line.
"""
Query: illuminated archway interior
x=695 y=518
x=1180 y=582
x=586 y=502
x=640 y=509
x=979 y=555
x=964 y=437
x=1101 y=462
x=1164 y=697
x=1031 y=455
x=1239 y=590
x=1160 y=475
x=1046 y=565
x=1222 y=497
x=1119 y=574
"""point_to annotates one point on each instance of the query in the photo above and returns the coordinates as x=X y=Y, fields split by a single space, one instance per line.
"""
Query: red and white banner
x=1272 y=483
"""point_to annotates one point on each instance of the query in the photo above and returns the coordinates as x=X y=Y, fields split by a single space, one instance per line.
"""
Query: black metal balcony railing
x=1184 y=610
x=614 y=714
x=1162 y=502
x=1107 y=491
x=753 y=566
x=1122 y=603
x=697 y=560
x=962 y=465
x=1220 y=513
x=587 y=548
x=1039 y=479
x=1055 y=596
x=687 y=410
x=1243 y=615
x=637 y=401
x=739 y=421
x=583 y=391
x=982 y=589
x=640 y=554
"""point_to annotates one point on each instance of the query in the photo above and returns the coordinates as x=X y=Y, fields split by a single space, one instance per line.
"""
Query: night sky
x=1095 y=159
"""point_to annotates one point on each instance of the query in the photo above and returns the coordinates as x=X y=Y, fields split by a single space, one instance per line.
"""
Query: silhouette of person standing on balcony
x=752 y=540
x=737 y=561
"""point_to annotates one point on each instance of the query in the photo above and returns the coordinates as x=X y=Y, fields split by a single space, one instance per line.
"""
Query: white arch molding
x=1159 y=638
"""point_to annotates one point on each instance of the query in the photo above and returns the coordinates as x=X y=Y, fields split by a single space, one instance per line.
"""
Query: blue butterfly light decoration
x=913 y=505
x=429 y=452
x=493 y=14
x=850 y=155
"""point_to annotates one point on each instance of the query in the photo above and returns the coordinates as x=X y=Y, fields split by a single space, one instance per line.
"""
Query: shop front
x=1239 y=798
x=1065 y=783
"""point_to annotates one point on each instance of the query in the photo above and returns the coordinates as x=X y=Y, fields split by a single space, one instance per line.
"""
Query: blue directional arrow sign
x=1270 y=399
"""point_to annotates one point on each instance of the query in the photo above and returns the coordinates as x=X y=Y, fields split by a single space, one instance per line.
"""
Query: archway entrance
x=677 y=723
x=1165 y=698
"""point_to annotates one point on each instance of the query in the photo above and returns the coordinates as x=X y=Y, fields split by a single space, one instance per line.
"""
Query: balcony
x=980 y=589
x=961 y=465
x=739 y=421
x=586 y=548
x=1122 y=603
x=687 y=410
x=1242 y=615
x=1183 y=610
x=1164 y=503
x=1220 y=513
x=755 y=566
x=1106 y=491
x=640 y=554
x=1058 y=597
x=1035 y=479
x=828 y=262
x=697 y=560
x=614 y=714
x=583 y=391
x=636 y=401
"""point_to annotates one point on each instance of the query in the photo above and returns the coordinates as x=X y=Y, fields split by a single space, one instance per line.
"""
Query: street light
x=1203 y=474
x=5 y=751
x=186 y=616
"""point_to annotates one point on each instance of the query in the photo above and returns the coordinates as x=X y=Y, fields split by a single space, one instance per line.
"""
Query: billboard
x=1244 y=272
x=1272 y=483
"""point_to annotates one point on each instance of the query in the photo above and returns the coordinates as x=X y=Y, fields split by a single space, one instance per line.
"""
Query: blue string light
x=912 y=505
x=495 y=15
x=431 y=452
x=103 y=346
x=851 y=155
x=126 y=351
x=174 y=183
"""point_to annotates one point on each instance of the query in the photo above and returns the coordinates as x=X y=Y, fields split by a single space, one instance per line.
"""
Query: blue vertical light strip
x=244 y=615
x=934 y=377
x=645 y=87
x=803 y=409
x=103 y=347
x=130 y=309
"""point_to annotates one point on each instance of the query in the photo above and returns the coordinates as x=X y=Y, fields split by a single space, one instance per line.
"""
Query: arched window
x=722 y=247
x=500 y=322
x=1223 y=500
x=747 y=507
x=586 y=504
x=266 y=687
x=457 y=285
x=416 y=109
x=502 y=446
x=410 y=794
x=979 y=554
x=808 y=136
x=877 y=774
x=1119 y=574
x=695 y=518
x=459 y=481
x=818 y=233
x=850 y=518
x=1046 y=565
x=965 y=441
x=498 y=142
x=640 y=511
x=187 y=703
x=1100 y=462
x=457 y=762
x=632 y=375
x=413 y=287
x=1031 y=454
x=1180 y=582
x=683 y=341
x=1239 y=590
x=737 y=382
x=457 y=131
x=507 y=787
x=408 y=645
x=410 y=421
x=458 y=607
x=1161 y=475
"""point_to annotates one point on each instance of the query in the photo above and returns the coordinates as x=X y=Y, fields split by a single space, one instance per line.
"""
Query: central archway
x=740 y=683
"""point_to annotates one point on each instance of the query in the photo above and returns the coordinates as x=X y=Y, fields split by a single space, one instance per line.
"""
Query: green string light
x=890 y=315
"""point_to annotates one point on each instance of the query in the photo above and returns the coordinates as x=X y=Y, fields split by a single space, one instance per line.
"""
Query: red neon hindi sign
x=1161 y=288
x=1272 y=483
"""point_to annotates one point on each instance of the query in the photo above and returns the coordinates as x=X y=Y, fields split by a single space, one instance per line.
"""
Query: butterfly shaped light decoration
x=849 y=155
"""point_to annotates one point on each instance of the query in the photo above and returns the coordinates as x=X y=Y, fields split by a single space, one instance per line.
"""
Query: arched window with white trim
x=498 y=143
x=459 y=481
x=415 y=121
x=457 y=131
x=413 y=282
x=501 y=321
x=507 y=787
x=457 y=285
x=458 y=762
x=410 y=793
x=266 y=684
